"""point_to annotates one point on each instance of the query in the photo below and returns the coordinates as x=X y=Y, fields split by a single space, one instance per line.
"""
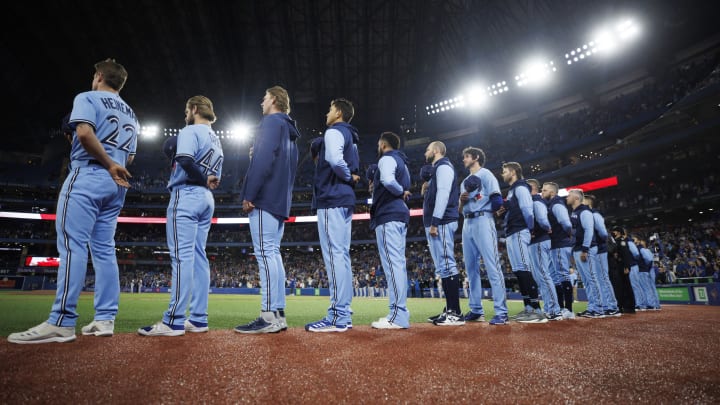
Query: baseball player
x=479 y=198
x=336 y=174
x=519 y=223
x=389 y=217
x=104 y=141
x=440 y=216
x=627 y=258
x=647 y=279
x=600 y=266
x=584 y=251
x=540 y=253
x=561 y=244
x=197 y=168
x=266 y=198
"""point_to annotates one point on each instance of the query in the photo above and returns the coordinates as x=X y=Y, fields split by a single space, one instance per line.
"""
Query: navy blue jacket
x=451 y=213
x=580 y=230
x=560 y=237
x=330 y=191
x=269 y=178
x=514 y=219
x=539 y=234
x=386 y=206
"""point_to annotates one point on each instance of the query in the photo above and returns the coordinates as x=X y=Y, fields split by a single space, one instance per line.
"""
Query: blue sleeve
x=561 y=214
x=265 y=149
x=541 y=216
x=334 y=143
x=526 y=205
x=633 y=249
x=600 y=226
x=387 y=167
x=647 y=255
x=444 y=177
x=587 y=222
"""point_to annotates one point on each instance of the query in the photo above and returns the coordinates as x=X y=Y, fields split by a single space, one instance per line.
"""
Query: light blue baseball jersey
x=200 y=143
x=114 y=122
x=479 y=200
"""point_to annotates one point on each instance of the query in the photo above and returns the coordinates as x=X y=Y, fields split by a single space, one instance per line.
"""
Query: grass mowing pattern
x=22 y=310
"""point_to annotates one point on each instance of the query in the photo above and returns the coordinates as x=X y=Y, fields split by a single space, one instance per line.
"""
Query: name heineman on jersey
x=114 y=104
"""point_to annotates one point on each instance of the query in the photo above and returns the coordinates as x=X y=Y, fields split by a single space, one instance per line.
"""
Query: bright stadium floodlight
x=535 y=73
x=476 y=96
x=149 y=132
x=241 y=131
x=445 y=105
x=606 y=40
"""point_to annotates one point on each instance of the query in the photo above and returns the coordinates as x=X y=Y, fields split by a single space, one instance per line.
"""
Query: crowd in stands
x=536 y=136
x=681 y=252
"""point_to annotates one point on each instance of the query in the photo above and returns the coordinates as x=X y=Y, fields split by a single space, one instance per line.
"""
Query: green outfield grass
x=22 y=310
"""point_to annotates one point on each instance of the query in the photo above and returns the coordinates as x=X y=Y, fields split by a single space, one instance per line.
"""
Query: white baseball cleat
x=99 y=328
x=44 y=333
x=383 y=323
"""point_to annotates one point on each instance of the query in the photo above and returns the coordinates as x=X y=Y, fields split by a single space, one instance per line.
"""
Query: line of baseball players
x=103 y=131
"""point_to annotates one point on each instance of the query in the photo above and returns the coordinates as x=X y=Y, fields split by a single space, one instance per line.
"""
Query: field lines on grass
x=22 y=310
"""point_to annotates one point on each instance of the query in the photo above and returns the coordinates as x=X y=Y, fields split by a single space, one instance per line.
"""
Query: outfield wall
x=696 y=294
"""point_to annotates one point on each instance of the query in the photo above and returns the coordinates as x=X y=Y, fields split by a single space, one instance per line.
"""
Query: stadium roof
x=384 y=55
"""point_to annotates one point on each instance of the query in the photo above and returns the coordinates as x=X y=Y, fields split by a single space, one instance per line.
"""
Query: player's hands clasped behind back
x=120 y=175
x=213 y=182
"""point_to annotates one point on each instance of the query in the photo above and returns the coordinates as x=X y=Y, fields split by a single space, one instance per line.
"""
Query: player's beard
x=190 y=121
x=429 y=159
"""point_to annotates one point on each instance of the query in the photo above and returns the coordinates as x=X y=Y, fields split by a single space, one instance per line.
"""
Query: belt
x=474 y=214
x=84 y=163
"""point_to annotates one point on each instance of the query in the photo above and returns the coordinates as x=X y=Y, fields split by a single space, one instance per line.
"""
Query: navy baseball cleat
x=473 y=317
x=555 y=317
x=260 y=325
x=499 y=320
x=450 y=318
x=433 y=318
x=324 y=326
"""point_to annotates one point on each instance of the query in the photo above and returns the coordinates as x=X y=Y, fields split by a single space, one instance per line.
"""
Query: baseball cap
x=371 y=170
x=315 y=146
x=65 y=126
x=472 y=183
x=618 y=229
x=426 y=172
x=169 y=147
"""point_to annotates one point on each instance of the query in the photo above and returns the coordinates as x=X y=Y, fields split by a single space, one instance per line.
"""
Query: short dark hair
x=591 y=198
x=345 y=107
x=476 y=154
x=534 y=182
x=114 y=74
x=391 y=138
x=514 y=166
